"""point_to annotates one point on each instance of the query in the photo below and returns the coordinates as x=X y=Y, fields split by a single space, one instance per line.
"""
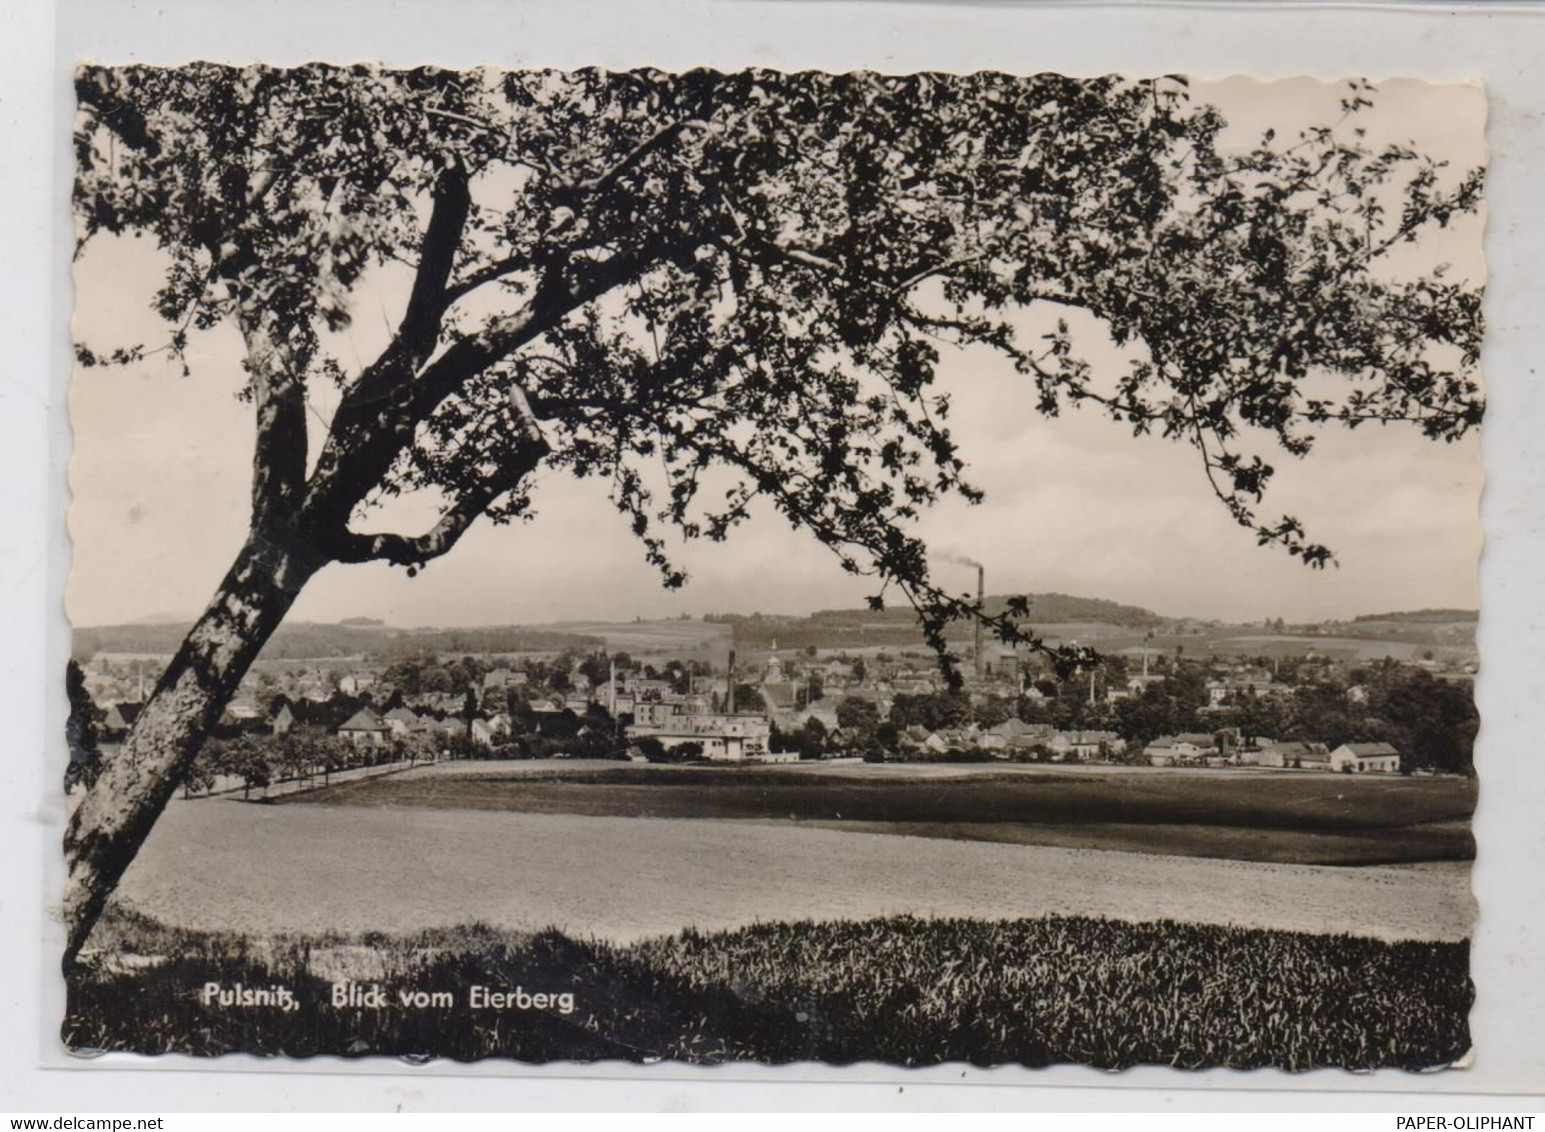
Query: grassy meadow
x=841 y=914
x=899 y=990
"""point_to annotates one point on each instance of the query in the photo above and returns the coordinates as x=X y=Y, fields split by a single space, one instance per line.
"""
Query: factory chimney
x=729 y=697
x=981 y=596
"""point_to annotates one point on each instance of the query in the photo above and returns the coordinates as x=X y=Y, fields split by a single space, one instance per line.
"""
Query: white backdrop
x=1500 y=44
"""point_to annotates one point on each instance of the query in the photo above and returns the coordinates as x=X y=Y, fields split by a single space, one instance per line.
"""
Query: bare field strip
x=853 y=768
x=1417 y=845
x=222 y=865
x=1282 y=818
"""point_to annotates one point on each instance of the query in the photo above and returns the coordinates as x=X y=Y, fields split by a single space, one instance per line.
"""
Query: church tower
x=774 y=671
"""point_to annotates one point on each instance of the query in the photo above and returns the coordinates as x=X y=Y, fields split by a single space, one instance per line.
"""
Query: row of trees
x=260 y=761
x=427 y=675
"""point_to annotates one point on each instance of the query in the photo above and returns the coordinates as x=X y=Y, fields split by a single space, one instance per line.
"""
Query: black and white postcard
x=761 y=566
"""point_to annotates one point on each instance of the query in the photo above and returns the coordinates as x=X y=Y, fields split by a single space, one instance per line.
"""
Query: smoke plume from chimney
x=981 y=597
x=958 y=559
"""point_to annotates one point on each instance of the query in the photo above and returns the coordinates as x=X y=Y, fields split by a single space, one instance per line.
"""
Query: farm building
x=1306 y=756
x=1252 y=752
x=1205 y=742
x=1178 y=750
x=1365 y=758
x=1086 y=745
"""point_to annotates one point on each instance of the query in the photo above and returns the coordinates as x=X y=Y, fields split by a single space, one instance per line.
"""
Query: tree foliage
x=858 y=715
x=707 y=288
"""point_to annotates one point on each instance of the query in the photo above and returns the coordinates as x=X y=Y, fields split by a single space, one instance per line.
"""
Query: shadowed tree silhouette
x=710 y=288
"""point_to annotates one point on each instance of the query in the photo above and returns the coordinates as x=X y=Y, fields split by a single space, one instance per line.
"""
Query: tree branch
x=590 y=187
x=378 y=418
x=773 y=249
x=279 y=456
x=429 y=299
x=939 y=268
x=556 y=297
x=489 y=274
x=606 y=180
x=414 y=551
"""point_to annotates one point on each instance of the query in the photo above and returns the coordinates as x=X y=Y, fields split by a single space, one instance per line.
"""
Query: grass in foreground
x=901 y=990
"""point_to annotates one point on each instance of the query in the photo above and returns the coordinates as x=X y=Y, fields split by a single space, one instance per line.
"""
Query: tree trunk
x=117 y=812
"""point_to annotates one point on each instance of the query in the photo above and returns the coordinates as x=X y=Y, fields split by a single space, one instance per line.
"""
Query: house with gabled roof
x=1015 y=733
x=780 y=695
x=364 y=729
x=937 y=742
x=1087 y=745
x=401 y=721
x=119 y=718
x=835 y=673
x=1365 y=758
x=487 y=732
x=1305 y=756
x=1176 y=750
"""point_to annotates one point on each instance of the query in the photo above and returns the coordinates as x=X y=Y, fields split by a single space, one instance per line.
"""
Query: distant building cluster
x=1226 y=749
x=786 y=704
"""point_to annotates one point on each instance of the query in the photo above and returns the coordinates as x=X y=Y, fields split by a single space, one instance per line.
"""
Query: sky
x=161 y=472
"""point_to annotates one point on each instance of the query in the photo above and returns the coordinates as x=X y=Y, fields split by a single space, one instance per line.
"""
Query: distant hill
x=857 y=628
x=1052 y=609
x=164 y=619
x=306 y=640
x=679 y=637
x=1423 y=616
